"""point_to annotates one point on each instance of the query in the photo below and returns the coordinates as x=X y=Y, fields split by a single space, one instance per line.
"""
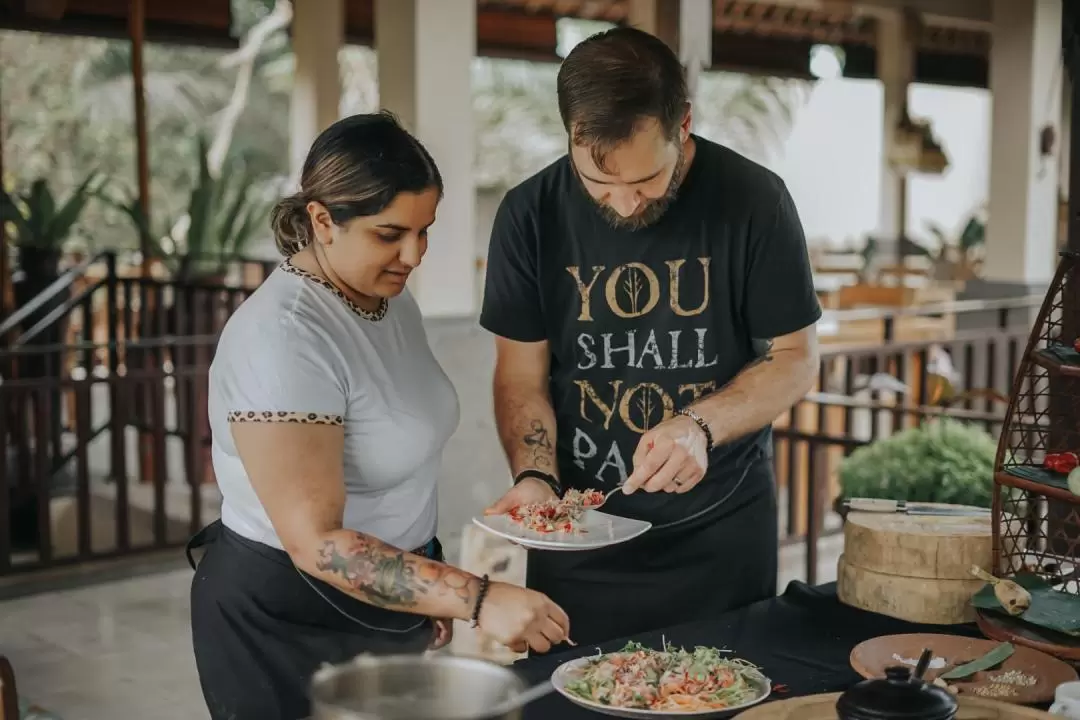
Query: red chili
x=1061 y=462
x=780 y=688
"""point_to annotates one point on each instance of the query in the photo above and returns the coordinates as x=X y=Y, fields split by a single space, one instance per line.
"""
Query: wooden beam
x=511 y=33
x=191 y=22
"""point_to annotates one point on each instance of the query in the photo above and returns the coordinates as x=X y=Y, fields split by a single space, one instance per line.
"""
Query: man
x=654 y=312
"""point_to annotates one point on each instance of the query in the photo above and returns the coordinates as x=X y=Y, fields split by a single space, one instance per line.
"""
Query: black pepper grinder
x=898 y=696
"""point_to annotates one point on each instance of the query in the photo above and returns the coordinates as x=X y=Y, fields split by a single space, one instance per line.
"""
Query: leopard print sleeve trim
x=303 y=418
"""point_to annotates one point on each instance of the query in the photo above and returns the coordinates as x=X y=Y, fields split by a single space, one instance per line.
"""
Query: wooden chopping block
x=913 y=567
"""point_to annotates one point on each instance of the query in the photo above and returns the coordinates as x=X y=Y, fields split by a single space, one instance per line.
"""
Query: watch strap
x=547 y=478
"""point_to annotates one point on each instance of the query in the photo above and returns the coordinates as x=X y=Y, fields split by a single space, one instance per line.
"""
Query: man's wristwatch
x=547 y=478
x=689 y=412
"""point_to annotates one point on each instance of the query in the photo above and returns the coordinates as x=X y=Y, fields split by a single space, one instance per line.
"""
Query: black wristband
x=474 y=621
x=547 y=478
x=701 y=424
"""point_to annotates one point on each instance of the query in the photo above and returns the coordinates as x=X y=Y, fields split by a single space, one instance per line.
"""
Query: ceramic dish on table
x=593 y=530
x=751 y=686
x=1025 y=677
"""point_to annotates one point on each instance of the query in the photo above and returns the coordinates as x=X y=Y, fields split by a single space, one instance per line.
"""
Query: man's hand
x=672 y=457
x=529 y=490
x=442 y=633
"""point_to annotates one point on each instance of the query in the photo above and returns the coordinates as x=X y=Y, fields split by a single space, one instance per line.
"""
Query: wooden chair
x=9 y=699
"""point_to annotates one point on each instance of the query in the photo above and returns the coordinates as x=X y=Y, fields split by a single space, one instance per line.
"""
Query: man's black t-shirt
x=642 y=323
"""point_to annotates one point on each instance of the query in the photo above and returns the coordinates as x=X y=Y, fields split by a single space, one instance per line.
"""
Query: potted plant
x=41 y=227
x=225 y=212
x=940 y=461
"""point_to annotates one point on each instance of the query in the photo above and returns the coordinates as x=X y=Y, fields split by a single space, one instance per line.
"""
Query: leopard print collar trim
x=372 y=315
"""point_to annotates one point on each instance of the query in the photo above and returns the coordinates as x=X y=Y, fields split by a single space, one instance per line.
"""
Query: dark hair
x=613 y=80
x=356 y=167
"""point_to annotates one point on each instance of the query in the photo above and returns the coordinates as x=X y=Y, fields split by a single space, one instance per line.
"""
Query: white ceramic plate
x=568 y=671
x=595 y=530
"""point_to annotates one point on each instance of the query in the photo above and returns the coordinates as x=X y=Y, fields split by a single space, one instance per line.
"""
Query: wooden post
x=137 y=33
x=1073 y=220
x=7 y=286
x=136 y=29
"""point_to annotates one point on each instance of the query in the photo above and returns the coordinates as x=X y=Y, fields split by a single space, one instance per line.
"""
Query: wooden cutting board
x=823 y=707
x=913 y=567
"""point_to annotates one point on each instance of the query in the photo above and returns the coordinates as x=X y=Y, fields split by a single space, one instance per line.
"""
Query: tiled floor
x=122 y=650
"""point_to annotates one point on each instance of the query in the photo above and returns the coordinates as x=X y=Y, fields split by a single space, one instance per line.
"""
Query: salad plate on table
x=568 y=523
x=639 y=682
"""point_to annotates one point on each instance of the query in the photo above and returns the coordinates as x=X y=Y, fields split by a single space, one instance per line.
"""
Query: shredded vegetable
x=669 y=680
x=557 y=515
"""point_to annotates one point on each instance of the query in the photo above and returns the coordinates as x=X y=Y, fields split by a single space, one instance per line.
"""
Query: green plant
x=944 y=461
x=38 y=221
x=224 y=214
x=956 y=257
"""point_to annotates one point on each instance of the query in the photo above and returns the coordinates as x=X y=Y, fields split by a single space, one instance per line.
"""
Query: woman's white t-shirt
x=297 y=350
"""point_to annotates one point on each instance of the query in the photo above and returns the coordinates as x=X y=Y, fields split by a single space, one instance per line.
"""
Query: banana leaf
x=1050 y=608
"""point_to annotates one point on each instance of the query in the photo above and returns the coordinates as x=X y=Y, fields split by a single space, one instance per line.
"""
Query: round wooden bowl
x=1006 y=629
x=823 y=707
x=870 y=658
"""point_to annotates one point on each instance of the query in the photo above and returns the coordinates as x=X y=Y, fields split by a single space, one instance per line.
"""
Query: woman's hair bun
x=291 y=225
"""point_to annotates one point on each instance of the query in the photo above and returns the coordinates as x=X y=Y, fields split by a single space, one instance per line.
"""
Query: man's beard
x=652 y=210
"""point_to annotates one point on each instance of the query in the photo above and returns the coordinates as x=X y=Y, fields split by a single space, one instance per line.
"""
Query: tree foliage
x=67 y=109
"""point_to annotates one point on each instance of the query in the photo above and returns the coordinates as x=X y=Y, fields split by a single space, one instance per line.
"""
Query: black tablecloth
x=800 y=639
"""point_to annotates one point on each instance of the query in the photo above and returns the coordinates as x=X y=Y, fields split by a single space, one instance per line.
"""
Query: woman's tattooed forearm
x=388 y=577
x=538 y=441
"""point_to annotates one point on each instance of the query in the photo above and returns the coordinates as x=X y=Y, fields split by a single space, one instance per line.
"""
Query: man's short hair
x=615 y=79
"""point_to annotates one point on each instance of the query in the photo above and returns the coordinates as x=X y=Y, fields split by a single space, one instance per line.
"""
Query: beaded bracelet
x=688 y=412
x=480 y=595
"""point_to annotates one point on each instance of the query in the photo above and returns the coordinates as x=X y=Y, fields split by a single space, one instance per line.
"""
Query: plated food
x=642 y=682
x=595 y=529
x=562 y=515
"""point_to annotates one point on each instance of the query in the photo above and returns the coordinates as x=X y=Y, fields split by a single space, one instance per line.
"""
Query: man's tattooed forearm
x=538 y=441
x=388 y=577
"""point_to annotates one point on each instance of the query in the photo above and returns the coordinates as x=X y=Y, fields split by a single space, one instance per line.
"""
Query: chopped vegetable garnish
x=668 y=680
x=557 y=515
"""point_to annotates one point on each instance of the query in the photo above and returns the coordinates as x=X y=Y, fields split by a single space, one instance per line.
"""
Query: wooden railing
x=75 y=452
x=848 y=409
x=114 y=426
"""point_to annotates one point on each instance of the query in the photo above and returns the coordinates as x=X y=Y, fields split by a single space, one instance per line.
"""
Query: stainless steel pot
x=416 y=687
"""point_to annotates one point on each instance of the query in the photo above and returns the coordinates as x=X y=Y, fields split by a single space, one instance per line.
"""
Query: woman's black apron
x=260 y=628
x=690 y=570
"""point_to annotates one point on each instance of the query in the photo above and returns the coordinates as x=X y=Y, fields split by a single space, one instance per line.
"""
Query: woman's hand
x=442 y=634
x=529 y=490
x=520 y=618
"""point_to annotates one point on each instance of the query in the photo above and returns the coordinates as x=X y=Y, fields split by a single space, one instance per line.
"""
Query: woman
x=329 y=414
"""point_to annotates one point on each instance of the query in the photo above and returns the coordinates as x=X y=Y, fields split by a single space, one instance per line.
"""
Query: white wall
x=831 y=159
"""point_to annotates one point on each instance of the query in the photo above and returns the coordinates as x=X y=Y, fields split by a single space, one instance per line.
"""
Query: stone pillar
x=685 y=25
x=318 y=33
x=425 y=50
x=895 y=66
x=1025 y=69
x=658 y=17
x=696 y=18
